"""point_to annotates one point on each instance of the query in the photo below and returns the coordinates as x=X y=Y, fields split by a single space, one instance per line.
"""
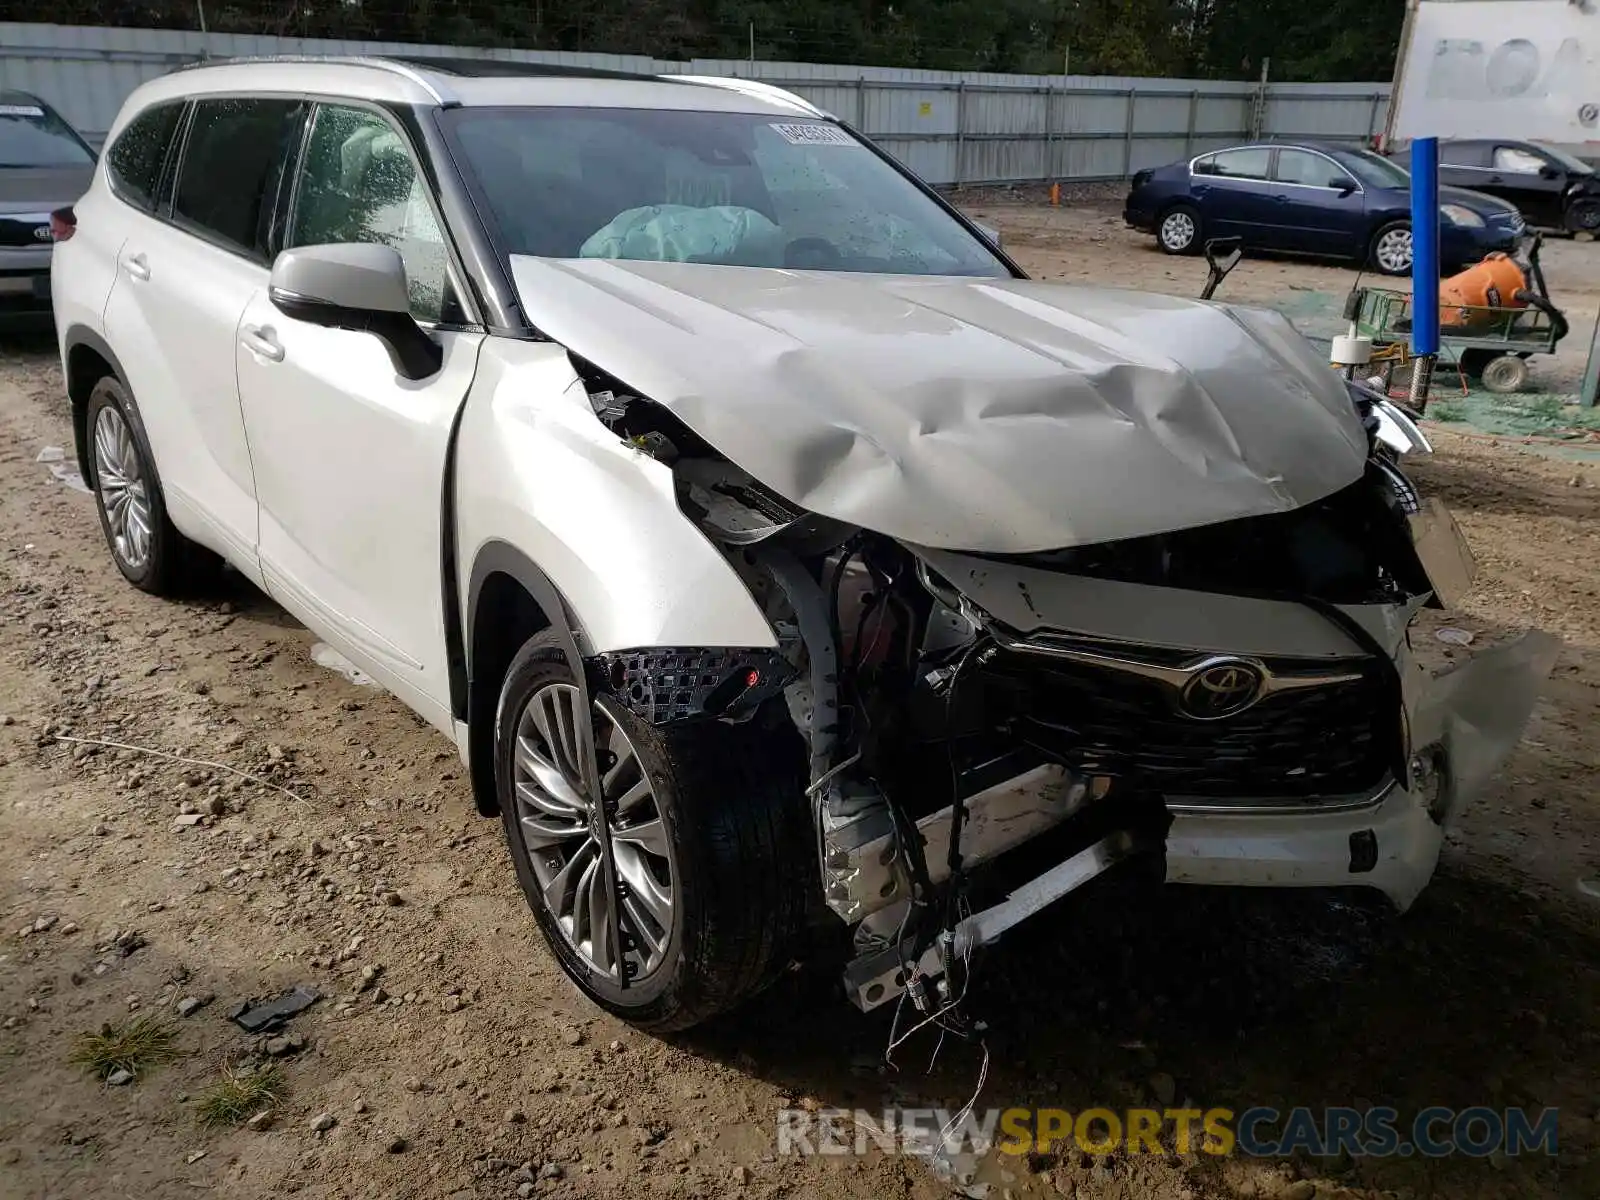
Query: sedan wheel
x=1179 y=230
x=1392 y=250
x=561 y=834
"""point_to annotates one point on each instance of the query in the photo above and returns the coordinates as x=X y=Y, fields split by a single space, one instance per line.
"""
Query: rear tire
x=1506 y=374
x=151 y=554
x=1178 y=230
x=1390 y=252
x=737 y=856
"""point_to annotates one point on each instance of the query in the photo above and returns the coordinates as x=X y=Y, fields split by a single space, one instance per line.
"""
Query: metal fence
x=952 y=128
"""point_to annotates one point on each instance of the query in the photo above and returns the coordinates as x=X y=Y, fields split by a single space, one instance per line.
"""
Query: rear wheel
x=1179 y=230
x=151 y=554
x=1508 y=373
x=709 y=837
x=1391 y=248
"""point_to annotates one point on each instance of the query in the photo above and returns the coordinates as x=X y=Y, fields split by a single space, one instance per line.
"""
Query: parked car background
x=1311 y=198
x=44 y=166
x=1551 y=187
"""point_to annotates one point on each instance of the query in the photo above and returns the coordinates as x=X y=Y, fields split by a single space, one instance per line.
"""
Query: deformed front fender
x=538 y=471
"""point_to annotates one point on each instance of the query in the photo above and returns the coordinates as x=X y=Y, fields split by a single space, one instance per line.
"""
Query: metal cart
x=1493 y=344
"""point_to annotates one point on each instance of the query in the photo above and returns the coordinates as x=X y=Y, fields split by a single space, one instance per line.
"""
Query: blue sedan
x=1311 y=198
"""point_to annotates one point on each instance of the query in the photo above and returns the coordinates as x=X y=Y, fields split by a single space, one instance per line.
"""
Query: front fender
x=536 y=470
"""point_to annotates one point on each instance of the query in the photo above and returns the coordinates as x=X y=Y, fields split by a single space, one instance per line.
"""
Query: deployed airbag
x=683 y=233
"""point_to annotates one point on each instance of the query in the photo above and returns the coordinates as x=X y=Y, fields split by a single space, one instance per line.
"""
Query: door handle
x=262 y=343
x=138 y=267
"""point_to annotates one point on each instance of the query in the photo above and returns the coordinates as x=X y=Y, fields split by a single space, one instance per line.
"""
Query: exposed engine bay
x=953 y=707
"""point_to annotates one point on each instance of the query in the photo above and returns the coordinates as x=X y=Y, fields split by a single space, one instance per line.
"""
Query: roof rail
x=343 y=60
x=756 y=89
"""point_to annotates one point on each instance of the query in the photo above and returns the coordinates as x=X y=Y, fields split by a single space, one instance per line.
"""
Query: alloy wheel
x=1177 y=231
x=1394 y=251
x=119 y=477
x=561 y=833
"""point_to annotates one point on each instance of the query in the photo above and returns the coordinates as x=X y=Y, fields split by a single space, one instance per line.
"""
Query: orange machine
x=1468 y=300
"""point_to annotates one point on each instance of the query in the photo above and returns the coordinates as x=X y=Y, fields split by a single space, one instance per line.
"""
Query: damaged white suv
x=774 y=551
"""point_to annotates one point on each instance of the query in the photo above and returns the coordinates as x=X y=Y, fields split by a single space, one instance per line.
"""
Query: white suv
x=772 y=549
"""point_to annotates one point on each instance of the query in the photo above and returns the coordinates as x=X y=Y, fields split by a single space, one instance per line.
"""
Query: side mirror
x=992 y=235
x=358 y=286
x=1344 y=185
x=1548 y=172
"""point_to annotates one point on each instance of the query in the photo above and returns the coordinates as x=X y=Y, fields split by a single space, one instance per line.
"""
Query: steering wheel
x=820 y=252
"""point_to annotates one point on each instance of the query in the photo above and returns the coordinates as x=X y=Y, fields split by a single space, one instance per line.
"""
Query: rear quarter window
x=134 y=162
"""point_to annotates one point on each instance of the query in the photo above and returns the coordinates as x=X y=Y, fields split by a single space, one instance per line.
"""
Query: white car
x=773 y=550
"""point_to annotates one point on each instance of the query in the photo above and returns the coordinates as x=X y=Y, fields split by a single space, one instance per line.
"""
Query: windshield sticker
x=815 y=135
x=21 y=110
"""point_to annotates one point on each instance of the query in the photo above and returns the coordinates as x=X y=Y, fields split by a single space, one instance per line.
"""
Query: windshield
x=31 y=136
x=1571 y=163
x=708 y=187
x=1373 y=170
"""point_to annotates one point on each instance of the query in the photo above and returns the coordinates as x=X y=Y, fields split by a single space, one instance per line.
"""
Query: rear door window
x=134 y=161
x=232 y=159
x=1241 y=164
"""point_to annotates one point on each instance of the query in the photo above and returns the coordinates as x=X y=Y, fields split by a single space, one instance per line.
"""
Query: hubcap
x=1394 y=250
x=1589 y=216
x=1177 y=231
x=561 y=832
x=119 y=477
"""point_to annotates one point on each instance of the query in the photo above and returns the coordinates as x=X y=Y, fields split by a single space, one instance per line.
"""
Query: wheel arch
x=86 y=359
x=509 y=599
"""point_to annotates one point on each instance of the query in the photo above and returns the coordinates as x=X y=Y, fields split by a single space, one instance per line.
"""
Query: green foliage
x=1219 y=39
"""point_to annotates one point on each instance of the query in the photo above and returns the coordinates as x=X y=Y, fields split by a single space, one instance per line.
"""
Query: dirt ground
x=465 y=1066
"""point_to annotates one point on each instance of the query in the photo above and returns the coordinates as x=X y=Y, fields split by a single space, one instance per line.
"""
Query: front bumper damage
x=1455 y=730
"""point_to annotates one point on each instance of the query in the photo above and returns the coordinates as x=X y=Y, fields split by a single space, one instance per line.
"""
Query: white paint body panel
x=174 y=331
x=1308 y=849
x=350 y=479
x=539 y=471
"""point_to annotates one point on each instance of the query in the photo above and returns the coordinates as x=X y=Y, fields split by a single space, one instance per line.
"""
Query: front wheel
x=1179 y=230
x=709 y=837
x=1584 y=217
x=1391 y=248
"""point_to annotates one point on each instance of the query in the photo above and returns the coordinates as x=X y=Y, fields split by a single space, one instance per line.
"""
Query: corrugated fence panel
x=947 y=126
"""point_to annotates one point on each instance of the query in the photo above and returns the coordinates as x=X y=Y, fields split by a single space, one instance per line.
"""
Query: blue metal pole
x=1425 y=246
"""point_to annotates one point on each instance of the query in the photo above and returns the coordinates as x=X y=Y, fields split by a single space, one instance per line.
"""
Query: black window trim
x=465 y=297
x=169 y=214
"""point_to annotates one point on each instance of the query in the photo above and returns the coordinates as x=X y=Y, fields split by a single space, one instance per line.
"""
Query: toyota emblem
x=1221 y=690
x=41 y=233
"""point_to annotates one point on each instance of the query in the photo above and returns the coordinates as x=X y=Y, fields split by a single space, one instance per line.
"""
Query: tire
x=1505 y=374
x=739 y=856
x=1584 y=217
x=1178 y=231
x=1390 y=251
x=151 y=554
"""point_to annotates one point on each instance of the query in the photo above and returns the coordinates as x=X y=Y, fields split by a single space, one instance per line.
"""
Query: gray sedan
x=44 y=167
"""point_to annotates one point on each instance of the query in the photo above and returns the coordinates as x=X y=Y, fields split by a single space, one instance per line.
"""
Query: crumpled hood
x=1003 y=416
